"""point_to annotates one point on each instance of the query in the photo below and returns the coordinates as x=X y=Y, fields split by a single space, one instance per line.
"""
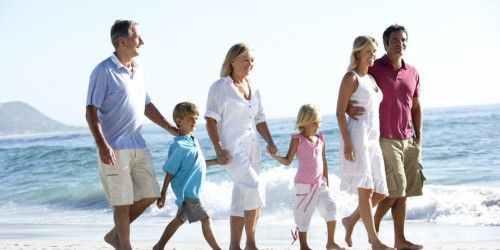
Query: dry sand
x=63 y=245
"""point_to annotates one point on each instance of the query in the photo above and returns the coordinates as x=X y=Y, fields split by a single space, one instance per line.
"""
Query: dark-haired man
x=400 y=131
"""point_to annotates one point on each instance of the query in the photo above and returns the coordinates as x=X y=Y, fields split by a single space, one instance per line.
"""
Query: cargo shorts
x=403 y=167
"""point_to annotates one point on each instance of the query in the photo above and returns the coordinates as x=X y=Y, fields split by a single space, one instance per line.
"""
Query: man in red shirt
x=400 y=130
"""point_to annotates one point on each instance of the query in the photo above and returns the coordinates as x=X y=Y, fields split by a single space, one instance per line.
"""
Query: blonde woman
x=234 y=118
x=361 y=161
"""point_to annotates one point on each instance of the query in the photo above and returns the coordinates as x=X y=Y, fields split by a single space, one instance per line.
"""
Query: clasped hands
x=223 y=155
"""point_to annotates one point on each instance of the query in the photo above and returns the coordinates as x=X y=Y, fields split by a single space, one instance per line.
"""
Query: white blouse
x=236 y=117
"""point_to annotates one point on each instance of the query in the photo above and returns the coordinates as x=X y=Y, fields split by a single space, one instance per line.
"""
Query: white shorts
x=248 y=193
x=244 y=169
x=311 y=196
x=132 y=178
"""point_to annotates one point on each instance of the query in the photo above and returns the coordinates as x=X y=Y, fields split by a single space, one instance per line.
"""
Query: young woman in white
x=360 y=156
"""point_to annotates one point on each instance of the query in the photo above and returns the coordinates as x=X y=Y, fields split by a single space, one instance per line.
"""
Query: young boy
x=185 y=170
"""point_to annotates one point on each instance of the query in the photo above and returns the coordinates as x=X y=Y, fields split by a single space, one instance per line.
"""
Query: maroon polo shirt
x=399 y=89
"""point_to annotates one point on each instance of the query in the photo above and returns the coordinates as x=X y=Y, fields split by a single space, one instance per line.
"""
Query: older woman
x=234 y=117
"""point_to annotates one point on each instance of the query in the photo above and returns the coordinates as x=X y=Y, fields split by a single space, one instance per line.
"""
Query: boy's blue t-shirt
x=187 y=165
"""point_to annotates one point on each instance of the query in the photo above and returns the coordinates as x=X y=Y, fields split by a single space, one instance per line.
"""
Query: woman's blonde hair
x=234 y=53
x=308 y=113
x=359 y=43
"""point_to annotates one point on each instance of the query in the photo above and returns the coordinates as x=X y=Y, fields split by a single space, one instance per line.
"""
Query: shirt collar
x=184 y=138
x=385 y=60
x=228 y=78
x=119 y=64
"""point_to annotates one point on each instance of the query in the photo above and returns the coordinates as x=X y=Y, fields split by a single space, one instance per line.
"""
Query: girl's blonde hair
x=308 y=113
x=359 y=43
x=235 y=52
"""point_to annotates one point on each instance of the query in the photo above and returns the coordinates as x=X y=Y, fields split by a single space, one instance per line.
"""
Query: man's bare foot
x=406 y=245
x=381 y=246
x=349 y=227
x=112 y=239
x=305 y=248
x=333 y=246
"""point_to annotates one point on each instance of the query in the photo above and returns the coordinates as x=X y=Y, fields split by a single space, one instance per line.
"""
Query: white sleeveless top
x=369 y=96
x=368 y=170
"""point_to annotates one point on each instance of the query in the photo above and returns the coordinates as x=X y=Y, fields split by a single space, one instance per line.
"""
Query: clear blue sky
x=302 y=49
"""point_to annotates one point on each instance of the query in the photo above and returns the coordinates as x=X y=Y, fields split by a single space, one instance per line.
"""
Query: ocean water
x=51 y=181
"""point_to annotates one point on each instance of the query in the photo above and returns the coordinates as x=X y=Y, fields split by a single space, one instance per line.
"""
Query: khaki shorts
x=131 y=179
x=192 y=210
x=403 y=167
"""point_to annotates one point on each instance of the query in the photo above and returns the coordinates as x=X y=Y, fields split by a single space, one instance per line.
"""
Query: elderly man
x=117 y=102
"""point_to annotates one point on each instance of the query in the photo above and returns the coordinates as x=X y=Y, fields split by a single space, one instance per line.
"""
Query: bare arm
x=347 y=88
x=264 y=132
x=222 y=154
x=325 y=166
x=155 y=116
x=161 y=201
x=353 y=111
x=106 y=153
x=417 y=118
x=210 y=162
x=294 y=143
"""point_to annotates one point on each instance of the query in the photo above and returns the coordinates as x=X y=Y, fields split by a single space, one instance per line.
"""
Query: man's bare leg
x=382 y=209
x=236 y=224
x=399 y=216
x=122 y=225
x=135 y=210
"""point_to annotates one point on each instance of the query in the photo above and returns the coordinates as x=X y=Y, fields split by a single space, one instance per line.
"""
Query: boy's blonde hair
x=308 y=113
x=184 y=108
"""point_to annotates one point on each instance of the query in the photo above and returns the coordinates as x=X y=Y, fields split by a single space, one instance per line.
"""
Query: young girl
x=311 y=180
x=361 y=161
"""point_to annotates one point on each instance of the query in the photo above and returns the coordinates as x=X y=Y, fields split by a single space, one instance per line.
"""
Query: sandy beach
x=141 y=245
x=145 y=233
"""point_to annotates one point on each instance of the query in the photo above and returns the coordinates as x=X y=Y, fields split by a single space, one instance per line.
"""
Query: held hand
x=275 y=155
x=107 y=155
x=222 y=157
x=349 y=154
x=173 y=130
x=160 y=202
x=272 y=149
x=353 y=111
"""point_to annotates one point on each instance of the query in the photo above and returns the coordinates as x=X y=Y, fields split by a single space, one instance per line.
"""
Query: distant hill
x=18 y=118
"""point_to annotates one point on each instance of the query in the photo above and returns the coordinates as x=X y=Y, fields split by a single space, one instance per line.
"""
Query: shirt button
x=249 y=128
x=249 y=106
x=250 y=117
